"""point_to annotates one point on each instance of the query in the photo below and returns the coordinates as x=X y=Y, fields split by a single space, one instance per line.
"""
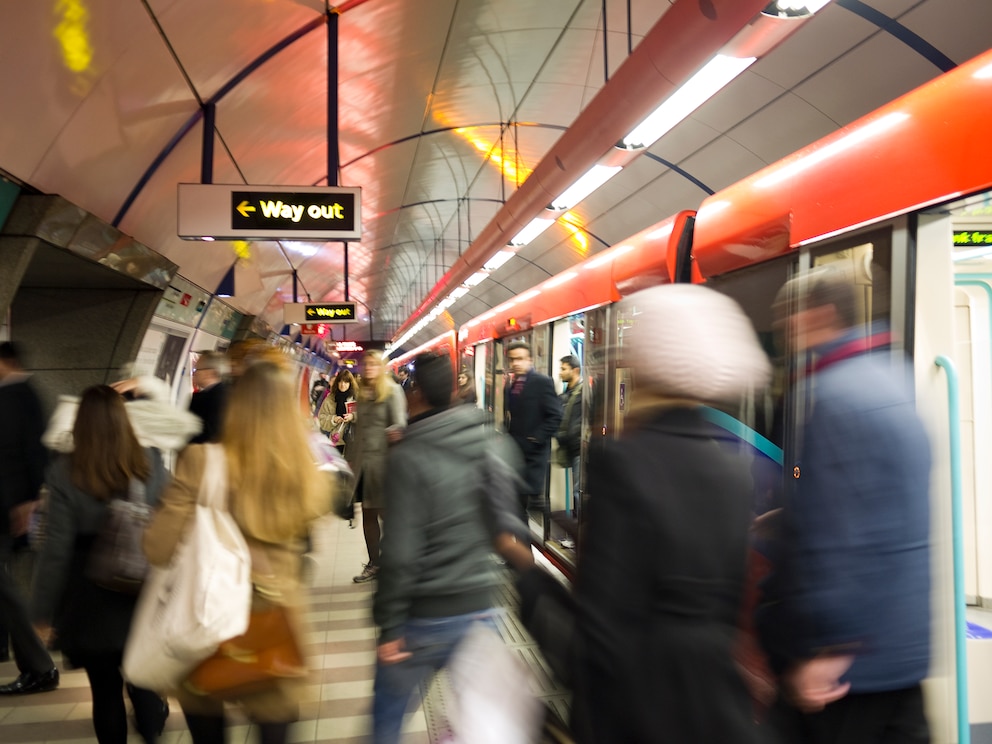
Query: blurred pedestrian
x=466 y=389
x=337 y=413
x=89 y=622
x=436 y=577
x=379 y=422
x=274 y=493
x=532 y=412
x=569 y=434
x=209 y=394
x=22 y=471
x=661 y=569
x=845 y=616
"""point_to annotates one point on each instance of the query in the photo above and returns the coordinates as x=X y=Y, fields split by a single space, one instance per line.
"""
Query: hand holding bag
x=202 y=598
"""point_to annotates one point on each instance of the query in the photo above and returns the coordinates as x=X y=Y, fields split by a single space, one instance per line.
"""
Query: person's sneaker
x=368 y=573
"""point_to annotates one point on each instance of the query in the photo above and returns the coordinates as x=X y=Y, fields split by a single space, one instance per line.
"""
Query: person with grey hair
x=210 y=394
x=662 y=565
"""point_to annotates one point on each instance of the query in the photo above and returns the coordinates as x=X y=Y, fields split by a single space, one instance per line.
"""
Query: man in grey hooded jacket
x=450 y=497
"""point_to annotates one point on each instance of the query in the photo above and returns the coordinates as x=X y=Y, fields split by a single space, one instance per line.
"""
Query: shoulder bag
x=202 y=598
x=116 y=560
x=259 y=659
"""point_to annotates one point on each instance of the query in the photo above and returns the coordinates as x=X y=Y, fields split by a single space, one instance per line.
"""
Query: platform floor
x=335 y=708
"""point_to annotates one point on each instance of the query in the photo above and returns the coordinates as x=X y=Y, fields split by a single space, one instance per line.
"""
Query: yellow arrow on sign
x=245 y=207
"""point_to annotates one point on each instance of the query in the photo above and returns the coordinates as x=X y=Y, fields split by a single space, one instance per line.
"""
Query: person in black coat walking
x=532 y=413
x=661 y=569
x=22 y=471
x=210 y=394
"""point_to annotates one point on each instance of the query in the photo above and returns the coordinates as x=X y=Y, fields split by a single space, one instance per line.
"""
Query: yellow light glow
x=573 y=223
x=242 y=249
x=77 y=54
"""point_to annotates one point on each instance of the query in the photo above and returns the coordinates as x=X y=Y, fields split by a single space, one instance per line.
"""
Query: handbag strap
x=213 y=482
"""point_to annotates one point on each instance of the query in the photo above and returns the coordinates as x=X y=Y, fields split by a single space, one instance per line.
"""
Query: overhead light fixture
x=973 y=253
x=477 y=278
x=497 y=260
x=846 y=142
x=533 y=228
x=794 y=8
x=591 y=180
x=459 y=292
x=703 y=85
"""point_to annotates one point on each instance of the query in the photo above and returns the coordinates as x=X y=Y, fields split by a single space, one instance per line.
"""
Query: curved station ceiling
x=461 y=121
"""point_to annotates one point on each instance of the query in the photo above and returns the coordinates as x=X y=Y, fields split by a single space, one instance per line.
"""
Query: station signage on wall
x=973 y=237
x=325 y=312
x=314 y=329
x=237 y=212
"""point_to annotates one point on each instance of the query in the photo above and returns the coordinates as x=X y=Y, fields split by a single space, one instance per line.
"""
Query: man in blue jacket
x=846 y=614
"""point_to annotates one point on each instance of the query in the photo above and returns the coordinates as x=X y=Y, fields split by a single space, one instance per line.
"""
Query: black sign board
x=290 y=211
x=333 y=312
x=233 y=212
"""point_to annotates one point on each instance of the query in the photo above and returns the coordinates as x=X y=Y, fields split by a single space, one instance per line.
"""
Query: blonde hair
x=275 y=486
x=380 y=385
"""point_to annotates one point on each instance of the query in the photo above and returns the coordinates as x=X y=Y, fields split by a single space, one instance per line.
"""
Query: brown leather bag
x=257 y=661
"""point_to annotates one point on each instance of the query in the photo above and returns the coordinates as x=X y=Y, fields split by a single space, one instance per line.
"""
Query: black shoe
x=29 y=682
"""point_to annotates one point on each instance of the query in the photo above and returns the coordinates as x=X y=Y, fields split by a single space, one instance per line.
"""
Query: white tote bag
x=203 y=598
x=493 y=702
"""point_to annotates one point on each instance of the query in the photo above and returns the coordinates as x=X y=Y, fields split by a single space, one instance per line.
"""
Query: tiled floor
x=335 y=708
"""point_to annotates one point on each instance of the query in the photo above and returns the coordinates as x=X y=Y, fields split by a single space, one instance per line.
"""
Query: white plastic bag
x=203 y=598
x=493 y=699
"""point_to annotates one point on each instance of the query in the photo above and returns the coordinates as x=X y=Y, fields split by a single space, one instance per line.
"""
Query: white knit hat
x=688 y=341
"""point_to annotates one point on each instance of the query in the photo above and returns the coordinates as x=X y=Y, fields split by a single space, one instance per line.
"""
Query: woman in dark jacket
x=662 y=563
x=89 y=623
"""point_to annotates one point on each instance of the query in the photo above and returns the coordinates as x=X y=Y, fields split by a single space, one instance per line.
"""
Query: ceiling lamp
x=697 y=90
x=591 y=180
x=534 y=228
x=794 y=8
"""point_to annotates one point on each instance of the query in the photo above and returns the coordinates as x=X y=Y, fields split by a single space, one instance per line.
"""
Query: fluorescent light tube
x=973 y=253
x=497 y=260
x=477 y=278
x=697 y=90
x=459 y=291
x=534 y=228
x=591 y=180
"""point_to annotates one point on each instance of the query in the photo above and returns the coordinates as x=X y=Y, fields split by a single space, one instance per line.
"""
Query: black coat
x=532 y=418
x=209 y=405
x=660 y=583
x=22 y=455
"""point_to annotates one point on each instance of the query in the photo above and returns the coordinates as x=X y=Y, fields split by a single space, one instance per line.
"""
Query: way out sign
x=231 y=212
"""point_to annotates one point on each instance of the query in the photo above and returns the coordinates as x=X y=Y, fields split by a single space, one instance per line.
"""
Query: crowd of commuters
x=667 y=524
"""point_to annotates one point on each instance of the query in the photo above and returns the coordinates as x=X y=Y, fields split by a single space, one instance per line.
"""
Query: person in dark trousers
x=447 y=510
x=89 y=622
x=569 y=434
x=532 y=413
x=209 y=394
x=845 y=615
x=22 y=471
x=661 y=570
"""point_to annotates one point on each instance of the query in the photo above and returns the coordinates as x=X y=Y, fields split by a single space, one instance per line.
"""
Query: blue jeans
x=431 y=642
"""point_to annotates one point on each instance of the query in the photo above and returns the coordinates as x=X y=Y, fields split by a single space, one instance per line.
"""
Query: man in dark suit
x=532 y=413
x=22 y=469
x=210 y=394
